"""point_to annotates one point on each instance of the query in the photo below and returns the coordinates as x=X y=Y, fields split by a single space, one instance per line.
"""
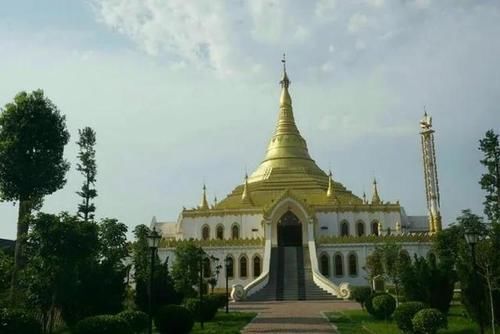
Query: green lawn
x=360 y=322
x=230 y=323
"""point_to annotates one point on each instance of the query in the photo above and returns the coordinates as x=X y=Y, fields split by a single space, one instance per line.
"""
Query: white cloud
x=357 y=22
x=325 y=8
x=376 y=3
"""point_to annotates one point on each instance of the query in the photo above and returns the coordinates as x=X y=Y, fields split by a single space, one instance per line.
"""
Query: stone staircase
x=290 y=277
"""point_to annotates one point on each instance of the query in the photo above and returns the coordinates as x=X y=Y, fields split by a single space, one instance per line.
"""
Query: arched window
x=375 y=227
x=205 y=232
x=243 y=266
x=353 y=264
x=256 y=266
x=207 y=271
x=219 y=232
x=325 y=265
x=360 y=228
x=235 y=232
x=339 y=264
x=344 y=229
x=230 y=267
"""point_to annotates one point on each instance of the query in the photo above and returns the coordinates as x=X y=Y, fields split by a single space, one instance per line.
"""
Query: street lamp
x=227 y=261
x=153 y=243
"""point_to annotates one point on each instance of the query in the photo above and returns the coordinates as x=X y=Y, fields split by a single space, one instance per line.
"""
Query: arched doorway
x=289 y=230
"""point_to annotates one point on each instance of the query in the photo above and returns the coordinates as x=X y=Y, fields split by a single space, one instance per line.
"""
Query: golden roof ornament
x=204 y=203
x=375 y=196
x=245 y=196
x=330 y=193
x=364 y=198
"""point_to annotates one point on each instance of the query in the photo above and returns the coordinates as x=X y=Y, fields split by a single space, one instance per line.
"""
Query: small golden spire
x=330 y=191
x=364 y=198
x=245 y=196
x=375 y=196
x=204 y=203
x=215 y=201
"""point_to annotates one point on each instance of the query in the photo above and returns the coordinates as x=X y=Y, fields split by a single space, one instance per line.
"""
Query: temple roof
x=288 y=166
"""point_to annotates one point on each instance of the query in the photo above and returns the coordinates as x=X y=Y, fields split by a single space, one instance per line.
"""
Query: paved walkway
x=291 y=316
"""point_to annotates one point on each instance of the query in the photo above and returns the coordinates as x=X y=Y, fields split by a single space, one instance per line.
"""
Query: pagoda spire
x=245 y=196
x=204 y=202
x=330 y=193
x=375 y=196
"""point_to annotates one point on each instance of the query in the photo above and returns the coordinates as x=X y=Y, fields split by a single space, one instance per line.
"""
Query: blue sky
x=182 y=93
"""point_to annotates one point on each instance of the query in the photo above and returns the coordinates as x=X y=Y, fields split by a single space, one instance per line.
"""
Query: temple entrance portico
x=289 y=230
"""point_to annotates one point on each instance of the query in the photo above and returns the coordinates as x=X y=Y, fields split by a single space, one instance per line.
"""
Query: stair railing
x=261 y=281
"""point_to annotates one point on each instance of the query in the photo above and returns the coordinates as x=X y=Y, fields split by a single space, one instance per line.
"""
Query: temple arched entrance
x=289 y=230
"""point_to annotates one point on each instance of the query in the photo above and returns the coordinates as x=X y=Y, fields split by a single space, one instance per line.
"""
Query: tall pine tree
x=87 y=166
x=490 y=181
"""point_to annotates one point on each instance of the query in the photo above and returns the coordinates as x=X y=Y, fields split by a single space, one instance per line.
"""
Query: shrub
x=18 y=321
x=218 y=298
x=405 y=313
x=174 y=319
x=137 y=320
x=428 y=321
x=381 y=306
x=361 y=294
x=102 y=324
x=204 y=311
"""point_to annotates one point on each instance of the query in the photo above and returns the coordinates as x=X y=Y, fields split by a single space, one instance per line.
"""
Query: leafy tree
x=6 y=264
x=374 y=265
x=87 y=166
x=390 y=264
x=186 y=268
x=58 y=246
x=32 y=138
x=490 y=181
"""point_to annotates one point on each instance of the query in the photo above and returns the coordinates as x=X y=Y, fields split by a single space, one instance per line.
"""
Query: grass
x=360 y=322
x=224 y=323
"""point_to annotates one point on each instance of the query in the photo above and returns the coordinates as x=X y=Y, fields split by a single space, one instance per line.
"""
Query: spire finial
x=204 y=203
x=375 y=196
x=330 y=191
x=285 y=82
x=245 y=196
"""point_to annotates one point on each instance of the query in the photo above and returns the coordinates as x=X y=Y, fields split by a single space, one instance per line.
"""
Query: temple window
x=256 y=266
x=374 y=226
x=344 y=229
x=207 y=271
x=325 y=265
x=353 y=264
x=235 y=232
x=205 y=232
x=230 y=267
x=219 y=232
x=360 y=228
x=339 y=264
x=243 y=266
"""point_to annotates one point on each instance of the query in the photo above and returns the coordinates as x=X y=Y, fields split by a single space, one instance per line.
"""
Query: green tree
x=186 y=268
x=374 y=265
x=390 y=263
x=88 y=167
x=58 y=247
x=32 y=138
x=6 y=264
x=490 y=181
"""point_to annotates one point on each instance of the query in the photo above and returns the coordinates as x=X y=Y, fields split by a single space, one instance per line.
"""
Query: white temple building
x=292 y=231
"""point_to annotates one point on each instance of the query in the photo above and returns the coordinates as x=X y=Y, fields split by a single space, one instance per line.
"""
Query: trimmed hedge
x=137 y=320
x=218 y=299
x=174 y=319
x=102 y=324
x=204 y=311
x=429 y=321
x=18 y=321
x=404 y=314
x=361 y=294
x=381 y=305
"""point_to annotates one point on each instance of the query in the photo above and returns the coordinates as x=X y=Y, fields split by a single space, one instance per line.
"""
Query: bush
x=428 y=321
x=17 y=321
x=174 y=319
x=381 y=306
x=102 y=324
x=361 y=294
x=204 y=311
x=137 y=320
x=405 y=313
x=218 y=298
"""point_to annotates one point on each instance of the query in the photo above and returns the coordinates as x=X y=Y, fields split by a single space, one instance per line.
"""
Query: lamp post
x=472 y=238
x=153 y=243
x=226 y=264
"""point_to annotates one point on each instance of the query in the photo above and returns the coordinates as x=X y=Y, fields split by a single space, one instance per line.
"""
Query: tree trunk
x=22 y=232
x=492 y=309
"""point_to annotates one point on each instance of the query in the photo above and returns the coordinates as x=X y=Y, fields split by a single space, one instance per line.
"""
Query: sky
x=184 y=93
